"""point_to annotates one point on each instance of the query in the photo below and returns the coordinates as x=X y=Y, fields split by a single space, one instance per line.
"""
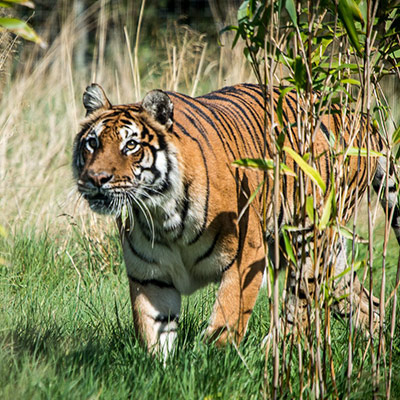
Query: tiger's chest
x=155 y=251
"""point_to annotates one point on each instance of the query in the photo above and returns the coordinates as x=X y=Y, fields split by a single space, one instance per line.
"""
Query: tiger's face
x=121 y=154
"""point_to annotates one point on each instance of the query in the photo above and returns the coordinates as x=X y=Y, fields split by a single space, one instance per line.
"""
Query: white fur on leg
x=157 y=310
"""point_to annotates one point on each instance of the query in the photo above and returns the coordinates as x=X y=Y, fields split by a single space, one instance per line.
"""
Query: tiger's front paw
x=163 y=344
x=220 y=336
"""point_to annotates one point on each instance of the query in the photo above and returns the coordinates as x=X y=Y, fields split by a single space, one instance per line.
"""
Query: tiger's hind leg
x=234 y=304
x=359 y=295
x=238 y=292
x=301 y=288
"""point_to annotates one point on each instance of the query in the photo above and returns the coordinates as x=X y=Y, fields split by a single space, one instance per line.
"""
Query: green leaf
x=279 y=108
x=288 y=247
x=336 y=67
x=348 y=234
x=357 y=266
x=263 y=164
x=326 y=213
x=286 y=170
x=21 y=28
x=228 y=28
x=11 y=3
x=243 y=11
x=397 y=157
x=351 y=81
x=300 y=73
x=349 y=12
x=310 y=208
x=396 y=136
x=312 y=173
x=259 y=163
x=291 y=9
x=355 y=151
x=280 y=140
x=250 y=200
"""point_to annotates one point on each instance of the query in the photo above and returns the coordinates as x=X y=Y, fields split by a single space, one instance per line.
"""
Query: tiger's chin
x=102 y=204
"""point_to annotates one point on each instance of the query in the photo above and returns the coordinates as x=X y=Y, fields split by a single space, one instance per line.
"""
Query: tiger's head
x=121 y=155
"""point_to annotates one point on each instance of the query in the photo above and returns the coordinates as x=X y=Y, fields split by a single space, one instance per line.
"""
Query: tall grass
x=41 y=107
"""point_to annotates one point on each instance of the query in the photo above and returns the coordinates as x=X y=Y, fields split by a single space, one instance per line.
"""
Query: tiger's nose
x=99 y=178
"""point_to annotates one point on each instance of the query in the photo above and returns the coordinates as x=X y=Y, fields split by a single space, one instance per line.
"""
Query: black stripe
x=265 y=117
x=280 y=216
x=325 y=131
x=190 y=102
x=154 y=282
x=203 y=227
x=219 y=113
x=209 y=250
x=256 y=118
x=138 y=255
x=185 y=210
x=238 y=115
x=288 y=100
x=237 y=92
x=233 y=260
x=126 y=121
x=164 y=319
x=166 y=183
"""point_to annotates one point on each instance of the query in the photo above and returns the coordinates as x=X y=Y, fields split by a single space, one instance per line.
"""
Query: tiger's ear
x=95 y=99
x=159 y=106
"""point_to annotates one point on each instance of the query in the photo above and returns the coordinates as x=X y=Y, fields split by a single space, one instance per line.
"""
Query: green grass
x=66 y=333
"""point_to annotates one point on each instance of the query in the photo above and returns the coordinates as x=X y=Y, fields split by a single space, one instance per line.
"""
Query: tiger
x=163 y=168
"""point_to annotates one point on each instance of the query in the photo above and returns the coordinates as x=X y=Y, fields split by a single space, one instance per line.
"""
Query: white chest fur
x=186 y=253
x=175 y=262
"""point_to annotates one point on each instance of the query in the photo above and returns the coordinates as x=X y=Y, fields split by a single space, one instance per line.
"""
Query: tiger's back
x=229 y=125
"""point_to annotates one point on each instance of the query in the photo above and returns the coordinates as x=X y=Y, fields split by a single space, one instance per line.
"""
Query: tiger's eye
x=92 y=142
x=131 y=145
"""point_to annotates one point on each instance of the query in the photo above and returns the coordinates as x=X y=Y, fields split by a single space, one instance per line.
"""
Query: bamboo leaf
x=351 y=81
x=348 y=234
x=355 y=151
x=310 y=208
x=327 y=212
x=311 y=172
x=349 y=12
x=11 y=3
x=279 y=108
x=291 y=9
x=300 y=73
x=288 y=247
x=250 y=200
x=357 y=266
x=337 y=67
x=22 y=29
x=263 y=164
x=243 y=11
x=258 y=163
x=396 y=136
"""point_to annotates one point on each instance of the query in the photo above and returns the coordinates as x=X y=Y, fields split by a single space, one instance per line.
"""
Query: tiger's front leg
x=156 y=313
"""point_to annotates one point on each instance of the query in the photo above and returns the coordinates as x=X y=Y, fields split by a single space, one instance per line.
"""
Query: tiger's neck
x=161 y=213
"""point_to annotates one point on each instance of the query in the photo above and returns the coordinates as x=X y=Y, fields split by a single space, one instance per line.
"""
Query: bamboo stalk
x=136 y=52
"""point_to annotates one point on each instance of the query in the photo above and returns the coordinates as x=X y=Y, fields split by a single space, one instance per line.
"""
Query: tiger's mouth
x=97 y=197
x=99 y=202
